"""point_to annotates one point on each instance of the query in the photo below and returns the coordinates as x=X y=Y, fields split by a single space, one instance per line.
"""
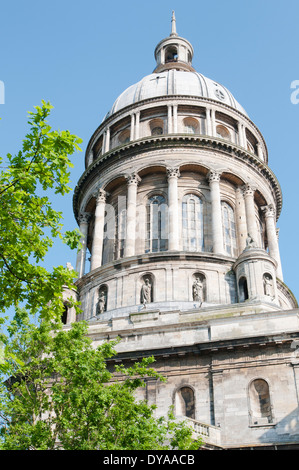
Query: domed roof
x=175 y=82
x=174 y=76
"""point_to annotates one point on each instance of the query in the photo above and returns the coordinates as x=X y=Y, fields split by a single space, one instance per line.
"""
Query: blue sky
x=80 y=55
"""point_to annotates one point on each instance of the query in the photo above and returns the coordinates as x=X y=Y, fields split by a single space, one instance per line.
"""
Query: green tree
x=55 y=387
x=28 y=221
x=63 y=395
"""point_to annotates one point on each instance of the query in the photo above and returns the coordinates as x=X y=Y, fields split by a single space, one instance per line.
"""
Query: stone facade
x=178 y=208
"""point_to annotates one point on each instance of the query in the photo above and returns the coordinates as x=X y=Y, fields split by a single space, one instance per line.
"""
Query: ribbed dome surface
x=175 y=82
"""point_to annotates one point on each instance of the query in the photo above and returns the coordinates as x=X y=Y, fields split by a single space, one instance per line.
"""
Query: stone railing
x=210 y=435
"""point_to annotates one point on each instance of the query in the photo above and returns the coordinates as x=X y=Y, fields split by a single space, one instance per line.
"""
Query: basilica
x=180 y=258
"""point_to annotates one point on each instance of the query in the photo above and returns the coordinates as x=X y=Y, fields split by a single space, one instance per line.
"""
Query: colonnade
x=172 y=127
x=249 y=225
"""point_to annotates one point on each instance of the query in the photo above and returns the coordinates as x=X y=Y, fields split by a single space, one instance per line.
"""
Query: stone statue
x=268 y=286
x=101 y=303
x=197 y=290
x=250 y=242
x=146 y=292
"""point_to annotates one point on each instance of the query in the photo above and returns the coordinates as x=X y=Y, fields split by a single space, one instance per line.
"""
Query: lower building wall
x=221 y=387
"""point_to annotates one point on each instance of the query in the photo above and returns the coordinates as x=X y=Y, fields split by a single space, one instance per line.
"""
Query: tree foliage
x=63 y=395
x=56 y=390
x=28 y=221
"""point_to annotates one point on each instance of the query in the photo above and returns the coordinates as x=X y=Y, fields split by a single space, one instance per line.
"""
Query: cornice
x=196 y=99
x=151 y=143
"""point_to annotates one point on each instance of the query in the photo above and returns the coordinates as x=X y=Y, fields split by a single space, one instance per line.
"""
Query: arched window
x=191 y=126
x=156 y=126
x=229 y=229
x=185 y=403
x=260 y=404
x=120 y=234
x=171 y=54
x=223 y=132
x=124 y=136
x=192 y=220
x=156 y=224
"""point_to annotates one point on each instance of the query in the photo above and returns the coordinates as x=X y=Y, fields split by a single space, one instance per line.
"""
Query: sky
x=80 y=55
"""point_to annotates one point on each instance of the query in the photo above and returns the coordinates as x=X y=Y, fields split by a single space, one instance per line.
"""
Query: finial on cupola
x=173 y=25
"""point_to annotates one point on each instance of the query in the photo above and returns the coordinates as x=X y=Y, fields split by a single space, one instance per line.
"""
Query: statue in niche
x=101 y=305
x=268 y=288
x=146 y=292
x=250 y=242
x=197 y=290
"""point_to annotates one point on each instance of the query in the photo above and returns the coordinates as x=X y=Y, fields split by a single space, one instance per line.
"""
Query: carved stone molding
x=172 y=172
x=134 y=178
x=248 y=190
x=101 y=195
x=214 y=175
x=84 y=217
x=269 y=210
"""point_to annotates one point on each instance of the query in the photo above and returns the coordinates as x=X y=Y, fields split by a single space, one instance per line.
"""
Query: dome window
x=223 y=132
x=191 y=126
x=171 y=54
x=156 y=127
x=124 y=137
x=157 y=130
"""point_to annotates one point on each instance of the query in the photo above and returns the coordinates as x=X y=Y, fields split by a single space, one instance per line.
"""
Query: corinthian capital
x=214 y=175
x=269 y=210
x=134 y=178
x=172 y=172
x=84 y=217
x=248 y=190
x=101 y=195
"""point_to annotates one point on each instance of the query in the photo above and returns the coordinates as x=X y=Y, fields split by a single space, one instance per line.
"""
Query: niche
x=185 y=402
x=102 y=300
x=260 y=404
x=147 y=289
x=268 y=285
x=243 y=289
x=199 y=288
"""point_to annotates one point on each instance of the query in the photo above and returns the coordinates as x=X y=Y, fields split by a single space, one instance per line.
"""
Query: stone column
x=208 y=122
x=295 y=365
x=175 y=118
x=218 y=396
x=269 y=212
x=173 y=208
x=132 y=127
x=137 y=121
x=169 y=119
x=132 y=182
x=213 y=123
x=80 y=264
x=107 y=140
x=260 y=151
x=217 y=231
x=248 y=193
x=90 y=158
x=241 y=220
x=98 y=235
x=240 y=133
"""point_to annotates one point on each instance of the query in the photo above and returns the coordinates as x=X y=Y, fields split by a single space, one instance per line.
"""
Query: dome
x=175 y=82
